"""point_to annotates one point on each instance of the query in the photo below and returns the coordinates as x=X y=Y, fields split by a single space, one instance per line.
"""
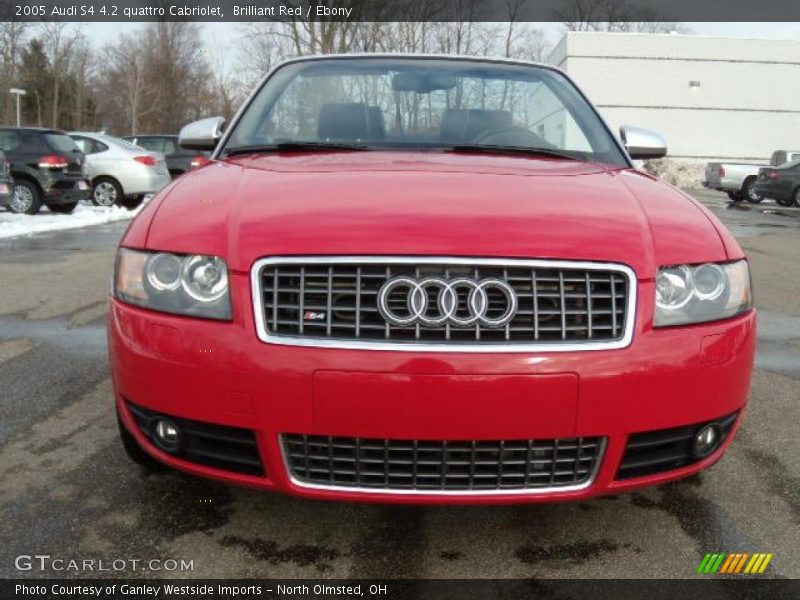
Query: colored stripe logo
x=734 y=563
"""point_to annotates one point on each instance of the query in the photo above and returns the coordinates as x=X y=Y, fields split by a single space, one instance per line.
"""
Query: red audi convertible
x=428 y=279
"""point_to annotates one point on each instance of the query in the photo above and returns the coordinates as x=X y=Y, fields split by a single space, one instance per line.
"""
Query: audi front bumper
x=240 y=398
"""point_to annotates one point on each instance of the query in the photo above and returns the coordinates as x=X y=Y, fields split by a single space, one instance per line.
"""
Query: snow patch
x=680 y=174
x=84 y=215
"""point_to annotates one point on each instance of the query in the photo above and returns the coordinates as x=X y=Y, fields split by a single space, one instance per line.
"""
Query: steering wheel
x=511 y=135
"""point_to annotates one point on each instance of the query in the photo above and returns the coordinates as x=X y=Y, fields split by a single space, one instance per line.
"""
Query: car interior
x=360 y=122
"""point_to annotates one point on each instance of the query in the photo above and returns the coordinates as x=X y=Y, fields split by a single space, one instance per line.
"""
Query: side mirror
x=642 y=143
x=203 y=134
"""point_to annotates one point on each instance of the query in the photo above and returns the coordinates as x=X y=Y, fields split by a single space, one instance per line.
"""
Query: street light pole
x=17 y=92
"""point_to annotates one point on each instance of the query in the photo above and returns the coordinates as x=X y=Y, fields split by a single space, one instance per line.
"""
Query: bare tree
x=123 y=85
x=13 y=36
x=227 y=87
x=613 y=15
x=59 y=42
x=81 y=72
x=456 y=36
x=158 y=79
x=179 y=71
x=513 y=7
x=265 y=45
x=268 y=43
x=532 y=44
x=34 y=75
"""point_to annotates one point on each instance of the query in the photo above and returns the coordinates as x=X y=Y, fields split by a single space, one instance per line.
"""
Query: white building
x=712 y=98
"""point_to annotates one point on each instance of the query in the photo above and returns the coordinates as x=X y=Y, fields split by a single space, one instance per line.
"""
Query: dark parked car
x=179 y=159
x=6 y=183
x=47 y=168
x=781 y=183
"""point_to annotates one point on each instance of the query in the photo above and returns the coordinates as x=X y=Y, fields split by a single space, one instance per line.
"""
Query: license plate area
x=422 y=406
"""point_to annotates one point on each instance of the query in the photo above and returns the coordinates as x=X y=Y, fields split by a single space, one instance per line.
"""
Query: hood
x=381 y=203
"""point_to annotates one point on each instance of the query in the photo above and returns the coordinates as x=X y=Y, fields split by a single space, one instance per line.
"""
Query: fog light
x=706 y=440
x=166 y=434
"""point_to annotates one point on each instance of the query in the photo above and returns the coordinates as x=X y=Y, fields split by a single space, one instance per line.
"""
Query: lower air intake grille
x=217 y=446
x=666 y=449
x=441 y=466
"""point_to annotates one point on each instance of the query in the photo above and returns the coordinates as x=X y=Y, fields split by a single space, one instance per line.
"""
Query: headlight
x=191 y=285
x=695 y=294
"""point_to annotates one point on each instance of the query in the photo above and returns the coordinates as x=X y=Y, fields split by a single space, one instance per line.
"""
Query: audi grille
x=460 y=304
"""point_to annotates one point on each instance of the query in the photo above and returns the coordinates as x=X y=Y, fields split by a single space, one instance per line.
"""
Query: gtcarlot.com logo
x=46 y=562
x=734 y=563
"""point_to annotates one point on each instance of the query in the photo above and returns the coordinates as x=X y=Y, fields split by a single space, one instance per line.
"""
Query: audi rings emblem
x=434 y=301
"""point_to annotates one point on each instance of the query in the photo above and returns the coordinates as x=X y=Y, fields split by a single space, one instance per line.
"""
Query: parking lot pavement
x=67 y=489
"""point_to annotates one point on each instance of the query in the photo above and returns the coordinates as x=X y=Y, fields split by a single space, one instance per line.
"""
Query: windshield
x=423 y=104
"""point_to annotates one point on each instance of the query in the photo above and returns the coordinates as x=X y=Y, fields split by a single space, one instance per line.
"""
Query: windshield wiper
x=356 y=147
x=294 y=146
x=478 y=149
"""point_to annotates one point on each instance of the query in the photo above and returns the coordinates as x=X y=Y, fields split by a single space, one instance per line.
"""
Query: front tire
x=795 y=198
x=26 y=199
x=135 y=452
x=62 y=209
x=735 y=196
x=132 y=202
x=106 y=192
x=749 y=191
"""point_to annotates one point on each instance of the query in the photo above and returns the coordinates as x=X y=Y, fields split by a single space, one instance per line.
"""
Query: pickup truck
x=738 y=179
x=735 y=179
x=780 y=157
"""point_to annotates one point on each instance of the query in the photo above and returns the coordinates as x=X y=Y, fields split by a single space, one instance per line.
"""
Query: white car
x=119 y=170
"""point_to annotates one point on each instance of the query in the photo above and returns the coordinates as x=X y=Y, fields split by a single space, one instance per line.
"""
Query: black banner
x=740 y=587
x=400 y=10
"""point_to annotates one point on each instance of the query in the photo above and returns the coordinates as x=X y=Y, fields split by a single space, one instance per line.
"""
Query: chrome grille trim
x=555 y=482
x=424 y=346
